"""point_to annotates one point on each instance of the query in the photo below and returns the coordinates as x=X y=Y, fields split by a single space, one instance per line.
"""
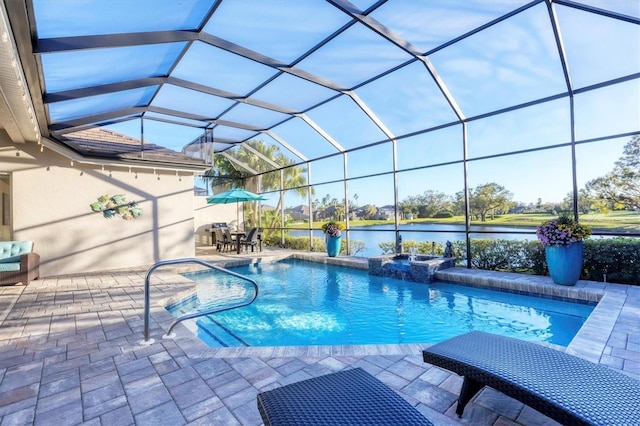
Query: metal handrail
x=147 y=296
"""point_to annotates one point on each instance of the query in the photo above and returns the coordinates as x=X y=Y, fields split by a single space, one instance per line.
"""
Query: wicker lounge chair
x=349 y=397
x=566 y=388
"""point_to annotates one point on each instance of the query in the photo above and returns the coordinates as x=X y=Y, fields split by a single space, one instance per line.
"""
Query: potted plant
x=333 y=236
x=562 y=239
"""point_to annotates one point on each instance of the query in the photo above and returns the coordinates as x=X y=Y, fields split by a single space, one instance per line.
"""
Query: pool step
x=217 y=335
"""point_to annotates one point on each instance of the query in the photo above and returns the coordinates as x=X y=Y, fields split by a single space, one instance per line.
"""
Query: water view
x=372 y=236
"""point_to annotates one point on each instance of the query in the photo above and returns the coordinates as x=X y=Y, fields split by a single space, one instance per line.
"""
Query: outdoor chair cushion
x=570 y=390
x=13 y=266
x=349 y=397
x=10 y=251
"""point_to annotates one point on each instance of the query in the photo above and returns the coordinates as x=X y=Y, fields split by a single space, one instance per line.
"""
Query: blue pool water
x=305 y=303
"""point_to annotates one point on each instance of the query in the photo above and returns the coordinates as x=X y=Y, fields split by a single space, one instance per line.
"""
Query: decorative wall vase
x=565 y=263
x=333 y=245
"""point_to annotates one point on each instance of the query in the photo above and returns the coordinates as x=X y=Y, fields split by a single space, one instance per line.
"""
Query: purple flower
x=332 y=229
x=561 y=232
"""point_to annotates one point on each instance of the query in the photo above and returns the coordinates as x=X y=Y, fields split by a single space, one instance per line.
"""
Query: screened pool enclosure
x=379 y=113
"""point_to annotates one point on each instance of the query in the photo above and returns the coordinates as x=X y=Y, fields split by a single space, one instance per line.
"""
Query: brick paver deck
x=71 y=353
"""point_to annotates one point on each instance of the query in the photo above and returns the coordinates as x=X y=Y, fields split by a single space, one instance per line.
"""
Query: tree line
x=619 y=189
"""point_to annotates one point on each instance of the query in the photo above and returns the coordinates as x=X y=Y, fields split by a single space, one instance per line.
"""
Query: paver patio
x=71 y=353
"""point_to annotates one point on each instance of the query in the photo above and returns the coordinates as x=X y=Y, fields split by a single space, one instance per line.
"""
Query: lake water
x=372 y=236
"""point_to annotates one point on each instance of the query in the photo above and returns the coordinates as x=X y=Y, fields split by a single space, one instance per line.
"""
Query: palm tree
x=223 y=176
x=293 y=177
x=228 y=174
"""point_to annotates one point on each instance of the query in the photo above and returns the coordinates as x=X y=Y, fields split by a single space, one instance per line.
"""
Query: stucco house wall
x=50 y=204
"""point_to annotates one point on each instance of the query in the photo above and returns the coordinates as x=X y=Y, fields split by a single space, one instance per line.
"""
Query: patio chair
x=570 y=390
x=215 y=239
x=259 y=237
x=222 y=242
x=229 y=240
x=349 y=397
x=251 y=240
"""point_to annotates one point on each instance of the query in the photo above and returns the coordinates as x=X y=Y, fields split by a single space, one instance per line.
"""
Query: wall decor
x=116 y=206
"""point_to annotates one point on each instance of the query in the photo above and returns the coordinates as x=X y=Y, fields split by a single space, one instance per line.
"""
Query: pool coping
x=590 y=342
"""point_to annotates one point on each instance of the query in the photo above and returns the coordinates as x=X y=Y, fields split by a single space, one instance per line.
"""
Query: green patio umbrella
x=234 y=196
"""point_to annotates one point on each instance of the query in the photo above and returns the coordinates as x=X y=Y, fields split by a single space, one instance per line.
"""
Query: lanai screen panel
x=325 y=77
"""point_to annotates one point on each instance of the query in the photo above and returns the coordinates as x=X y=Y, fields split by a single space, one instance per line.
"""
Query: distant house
x=327 y=213
x=300 y=212
x=386 y=212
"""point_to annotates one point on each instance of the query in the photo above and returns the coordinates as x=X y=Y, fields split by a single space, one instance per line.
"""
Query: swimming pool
x=305 y=303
